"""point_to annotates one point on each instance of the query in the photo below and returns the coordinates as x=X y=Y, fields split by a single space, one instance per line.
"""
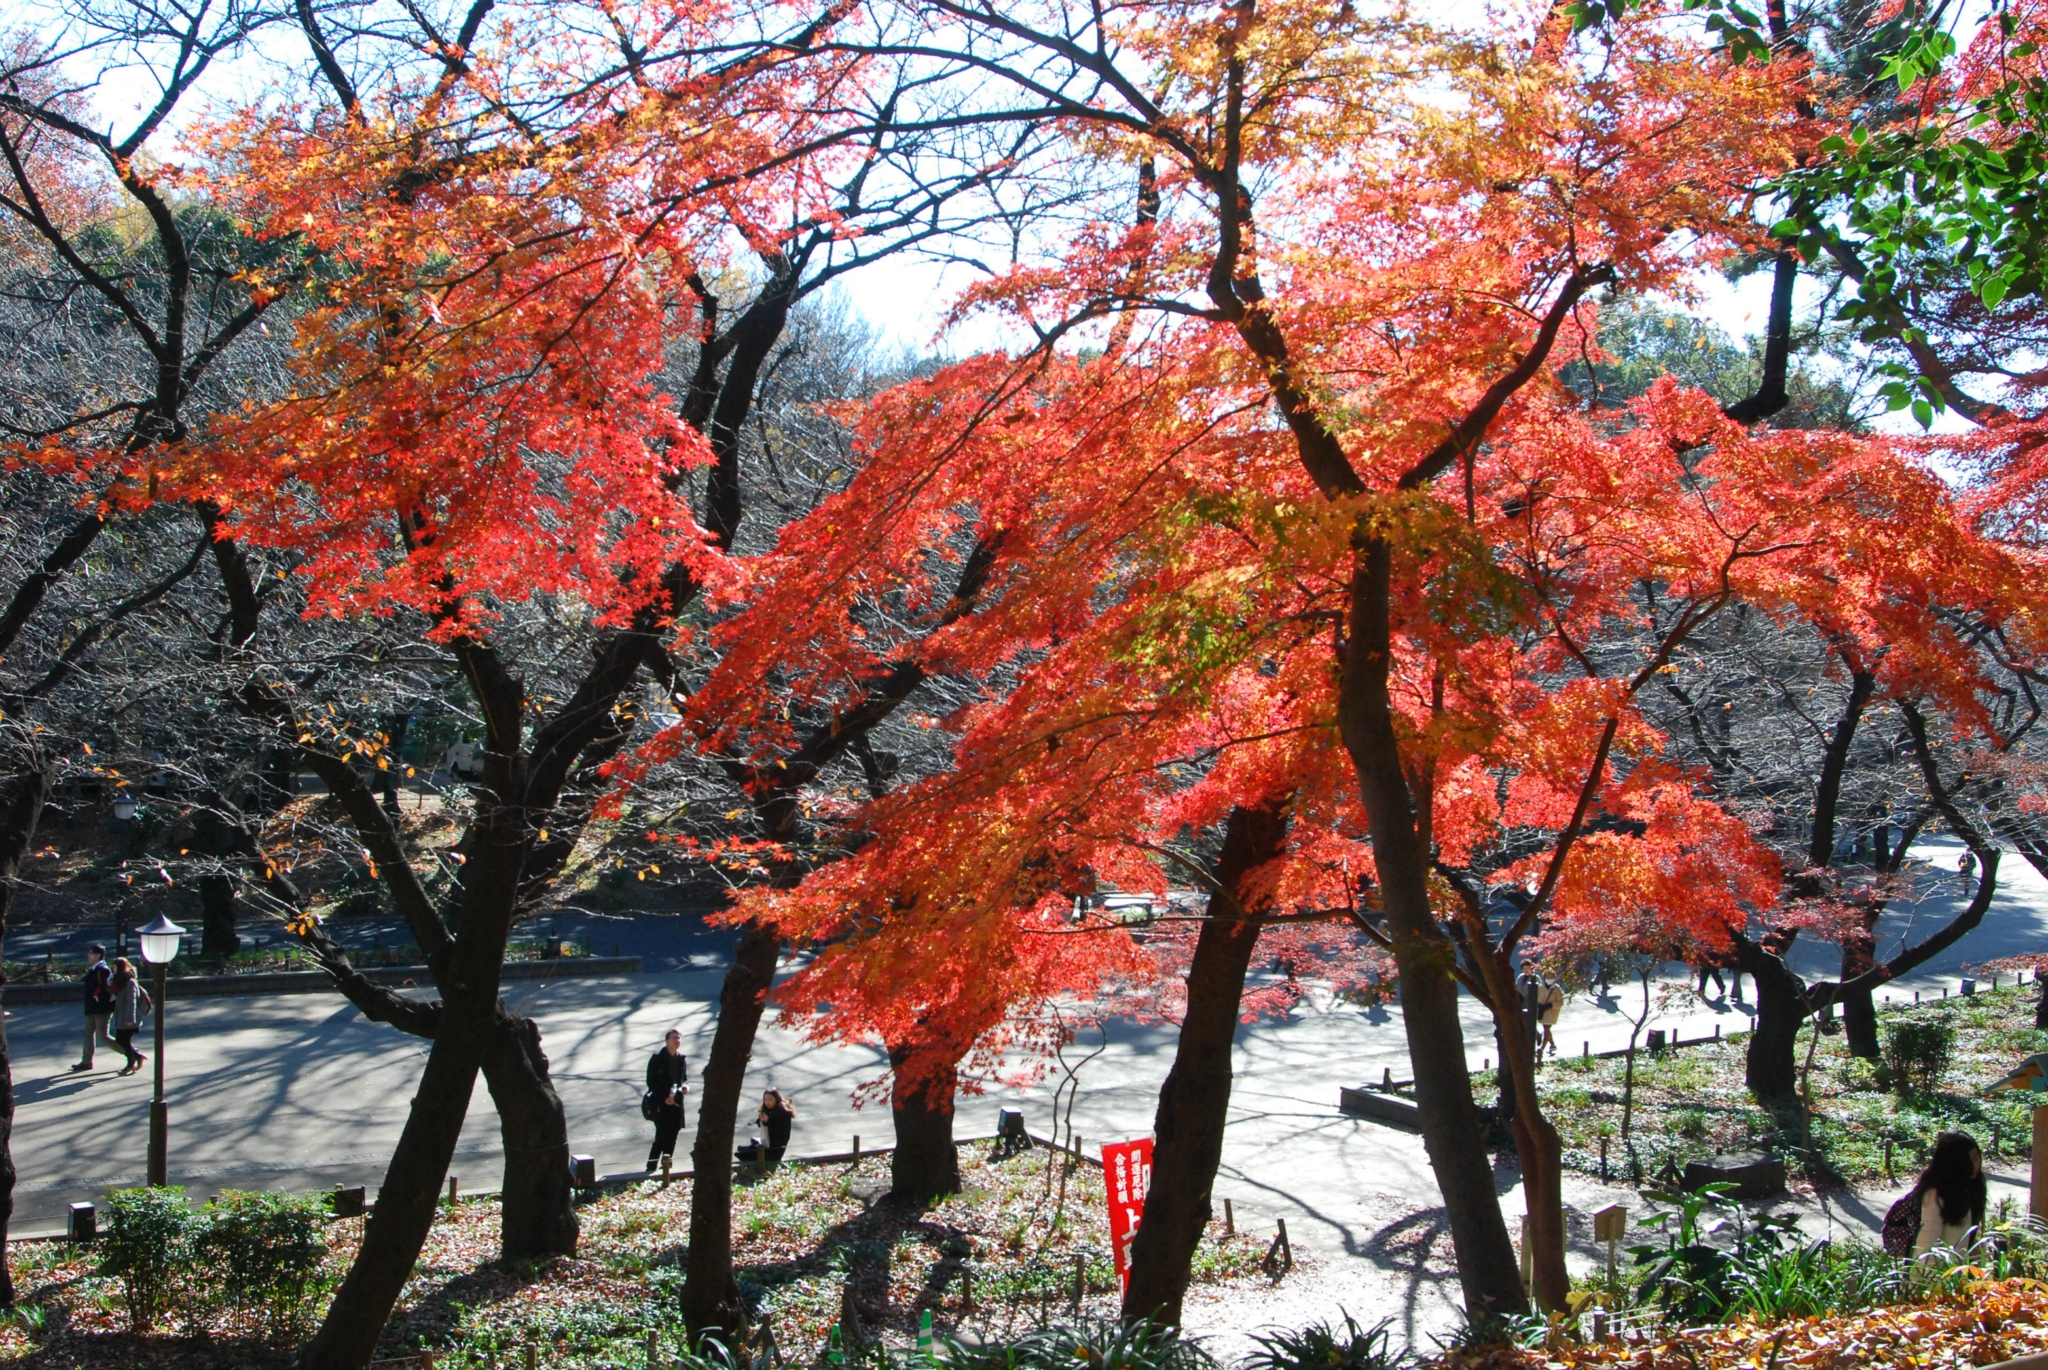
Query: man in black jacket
x=99 y=1003
x=666 y=1072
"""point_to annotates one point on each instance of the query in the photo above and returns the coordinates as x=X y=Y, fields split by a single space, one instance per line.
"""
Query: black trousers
x=668 y=1121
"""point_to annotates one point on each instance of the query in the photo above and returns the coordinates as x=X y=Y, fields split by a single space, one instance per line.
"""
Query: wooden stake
x=1080 y=1272
x=856 y=1148
x=453 y=1188
x=1229 y=1220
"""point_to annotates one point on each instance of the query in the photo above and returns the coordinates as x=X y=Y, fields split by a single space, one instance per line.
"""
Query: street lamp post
x=125 y=811
x=160 y=948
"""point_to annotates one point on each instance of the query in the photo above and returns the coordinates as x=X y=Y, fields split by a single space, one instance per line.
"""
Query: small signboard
x=1126 y=1175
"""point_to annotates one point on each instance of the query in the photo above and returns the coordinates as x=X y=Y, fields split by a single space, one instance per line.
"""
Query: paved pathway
x=300 y=1092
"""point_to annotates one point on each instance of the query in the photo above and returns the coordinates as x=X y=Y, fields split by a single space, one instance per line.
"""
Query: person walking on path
x=1551 y=996
x=775 y=1117
x=663 y=1102
x=132 y=1007
x=99 y=1003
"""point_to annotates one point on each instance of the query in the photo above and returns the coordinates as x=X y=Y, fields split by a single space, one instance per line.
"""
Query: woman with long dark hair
x=1951 y=1192
x=131 y=1006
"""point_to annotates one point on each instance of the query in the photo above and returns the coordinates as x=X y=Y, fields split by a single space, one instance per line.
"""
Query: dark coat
x=665 y=1076
x=99 y=988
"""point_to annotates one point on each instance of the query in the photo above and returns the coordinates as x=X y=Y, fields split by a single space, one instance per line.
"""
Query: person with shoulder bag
x=662 y=1104
x=132 y=1007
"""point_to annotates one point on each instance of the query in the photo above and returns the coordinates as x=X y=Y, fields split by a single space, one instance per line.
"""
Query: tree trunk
x=1772 y=1067
x=1194 y=1102
x=1859 y=1005
x=411 y=1193
x=1540 y=1150
x=21 y=806
x=217 y=935
x=2041 y=1000
x=217 y=837
x=925 y=1165
x=1488 y=1273
x=538 y=1213
x=711 y=1296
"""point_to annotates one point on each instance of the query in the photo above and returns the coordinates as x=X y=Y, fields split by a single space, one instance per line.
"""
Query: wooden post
x=454 y=1189
x=2037 y=1196
x=1080 y=1273
x=1585 y=1051
x=966 y=1290
x=856 y=1148
x=1229 y=1220
x=665 y=1162
x=1887 y=1158
x=532 y=1357
x=1387 y=1078
x=1286 y=1248
x=653 y=1349
x=1608 y=1225
x=1603 y=1160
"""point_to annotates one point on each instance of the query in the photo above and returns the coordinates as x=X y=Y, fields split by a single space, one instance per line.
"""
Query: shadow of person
x=56 y=1086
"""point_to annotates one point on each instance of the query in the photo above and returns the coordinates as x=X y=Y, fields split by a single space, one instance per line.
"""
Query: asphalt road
x=301 y=1092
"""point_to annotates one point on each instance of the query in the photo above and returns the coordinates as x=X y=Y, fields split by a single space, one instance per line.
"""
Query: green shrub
x=1814 y=1281
x=1321 y=1347
x=147 y=1245
x=266 y=1251
x=1916 y=1055
x=1105 y=1344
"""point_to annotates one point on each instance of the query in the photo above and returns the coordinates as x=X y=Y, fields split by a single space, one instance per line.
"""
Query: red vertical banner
x=1126 y=1175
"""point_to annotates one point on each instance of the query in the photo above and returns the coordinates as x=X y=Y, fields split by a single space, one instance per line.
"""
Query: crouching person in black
x=662 y=1105
x=775 y=1116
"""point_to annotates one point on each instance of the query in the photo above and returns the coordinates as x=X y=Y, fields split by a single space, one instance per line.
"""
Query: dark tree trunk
x=1771 y=1070
x=539 y=1210
x=2041 y=1000
x=411 y=1193
x=1195 y=1100
x=1489 y=1275
x=221 y=839
x=1859 y=1006
x=711 y=1296
x=394 y=746
x=217 y=935
x=21 y=805
x=1538 y=1147
x=925 y=1165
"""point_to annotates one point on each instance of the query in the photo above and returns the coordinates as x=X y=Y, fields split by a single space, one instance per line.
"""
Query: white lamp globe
x=160 y=941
